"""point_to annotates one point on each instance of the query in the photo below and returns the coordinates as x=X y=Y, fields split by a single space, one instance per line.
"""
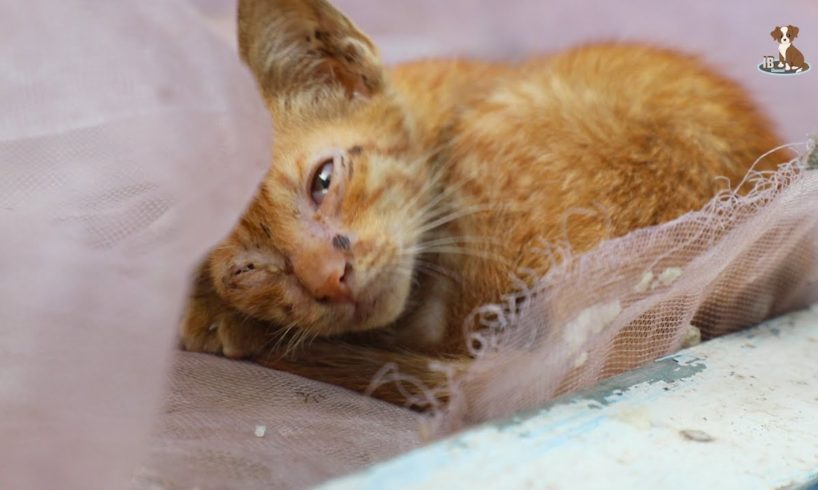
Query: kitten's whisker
x=302 y=337
x=460 y=251
x=473 y=245
x=439 y=221
x=311 y=339
x=440 y=198
x=460 y=213
x=437 y=269
x=436 y=205
x=431 y=183
x=282 y=334
x=462 y=239
x=293 y=342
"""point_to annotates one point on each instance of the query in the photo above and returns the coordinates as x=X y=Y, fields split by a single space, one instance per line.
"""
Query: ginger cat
x=398 y=200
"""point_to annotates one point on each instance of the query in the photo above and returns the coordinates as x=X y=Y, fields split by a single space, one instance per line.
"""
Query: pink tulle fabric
x=131 y=138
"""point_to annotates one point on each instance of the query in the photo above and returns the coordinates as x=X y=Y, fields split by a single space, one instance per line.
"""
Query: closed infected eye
x=247 y=268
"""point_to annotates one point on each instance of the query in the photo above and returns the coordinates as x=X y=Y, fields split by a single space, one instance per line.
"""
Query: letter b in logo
x=769 y=62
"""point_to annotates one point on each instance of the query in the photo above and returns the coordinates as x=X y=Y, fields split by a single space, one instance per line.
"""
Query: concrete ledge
x=738 y=412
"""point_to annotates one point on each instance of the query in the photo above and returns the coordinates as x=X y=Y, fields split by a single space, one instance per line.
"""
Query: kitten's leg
x=396 y=376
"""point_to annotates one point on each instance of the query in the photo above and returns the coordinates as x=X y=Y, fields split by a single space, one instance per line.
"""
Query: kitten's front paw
x=200 y=332
x=222 y=333
x=211 y=326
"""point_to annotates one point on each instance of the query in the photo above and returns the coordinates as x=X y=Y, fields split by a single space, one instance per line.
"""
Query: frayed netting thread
x=735 y=262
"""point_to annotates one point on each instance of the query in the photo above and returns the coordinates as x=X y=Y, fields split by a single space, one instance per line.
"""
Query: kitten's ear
x=297 y=45
x=792 y=31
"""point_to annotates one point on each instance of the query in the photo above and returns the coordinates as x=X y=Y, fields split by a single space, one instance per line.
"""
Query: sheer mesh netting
x=131 y=138
x=741 y=259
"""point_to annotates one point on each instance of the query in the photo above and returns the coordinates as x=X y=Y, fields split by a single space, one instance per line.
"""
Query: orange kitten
x=399 y=200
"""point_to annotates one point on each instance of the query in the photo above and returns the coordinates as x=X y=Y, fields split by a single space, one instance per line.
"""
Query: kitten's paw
x=211 y=326
x=198 y=332
x=222 y=334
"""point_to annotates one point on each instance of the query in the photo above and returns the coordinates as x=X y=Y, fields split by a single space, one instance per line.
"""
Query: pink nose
x=325 y=275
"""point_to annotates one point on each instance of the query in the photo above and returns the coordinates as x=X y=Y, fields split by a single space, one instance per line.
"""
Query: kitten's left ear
x=297 y=45
x=792 y=31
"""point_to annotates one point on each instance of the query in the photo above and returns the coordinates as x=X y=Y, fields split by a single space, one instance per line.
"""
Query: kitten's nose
x=325 y=276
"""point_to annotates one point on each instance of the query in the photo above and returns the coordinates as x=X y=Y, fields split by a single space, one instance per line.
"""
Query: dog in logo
x=790 y=58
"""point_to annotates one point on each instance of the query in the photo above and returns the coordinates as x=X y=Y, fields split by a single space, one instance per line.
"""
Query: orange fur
x=446 y=175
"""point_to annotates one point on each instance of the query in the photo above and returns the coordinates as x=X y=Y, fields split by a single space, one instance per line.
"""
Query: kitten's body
x=496 y=159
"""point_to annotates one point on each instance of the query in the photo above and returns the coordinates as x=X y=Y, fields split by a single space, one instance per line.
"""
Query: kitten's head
x=328 y=244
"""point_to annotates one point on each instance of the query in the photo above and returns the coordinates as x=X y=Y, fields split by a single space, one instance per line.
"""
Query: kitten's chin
x=374 y=312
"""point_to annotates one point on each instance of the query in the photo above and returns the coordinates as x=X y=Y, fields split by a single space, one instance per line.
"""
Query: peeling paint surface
x=739 y=412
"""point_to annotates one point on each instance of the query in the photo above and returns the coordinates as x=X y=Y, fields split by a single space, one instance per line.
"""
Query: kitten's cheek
x=256 y=292
x=398 y=300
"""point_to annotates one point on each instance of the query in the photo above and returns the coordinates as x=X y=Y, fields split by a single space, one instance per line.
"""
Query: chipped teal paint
x=668 y=369
x=811 y=485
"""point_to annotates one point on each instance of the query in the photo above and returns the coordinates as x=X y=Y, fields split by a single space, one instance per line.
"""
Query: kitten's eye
x=321 y=182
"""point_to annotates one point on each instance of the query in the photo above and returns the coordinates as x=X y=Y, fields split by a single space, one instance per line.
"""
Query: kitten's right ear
x=297 y=45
